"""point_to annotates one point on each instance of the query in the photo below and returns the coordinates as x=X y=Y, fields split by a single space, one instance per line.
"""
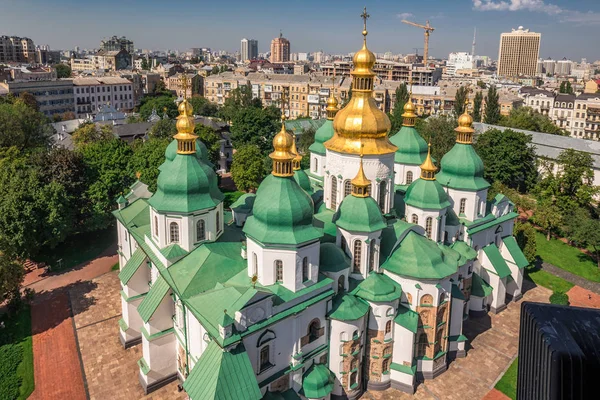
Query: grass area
x=547 y=280
x=78 y=249
x=115 y=267
x=508 y=383
x=567 y=257
x=16 y=356
x=231 y=197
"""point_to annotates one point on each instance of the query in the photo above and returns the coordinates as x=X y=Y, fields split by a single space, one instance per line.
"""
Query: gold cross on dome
x=184 y=85
x=364 y=16
x=410 y=82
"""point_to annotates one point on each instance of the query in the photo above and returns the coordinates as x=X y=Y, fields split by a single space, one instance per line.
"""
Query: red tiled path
x=580 y=297
x=495 y=394
x=57 y=369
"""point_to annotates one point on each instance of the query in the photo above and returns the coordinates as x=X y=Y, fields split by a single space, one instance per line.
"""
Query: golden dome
x=428 y=168
x=361 y=122
x=184 y=108
x=409 y=108
x=282 y=155
x=360 y=183
x=186 y=140
x=297 y=157
x=332 y=105
x=465 y=129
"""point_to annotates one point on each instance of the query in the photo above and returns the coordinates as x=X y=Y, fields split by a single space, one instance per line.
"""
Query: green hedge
x=559 y=298
x=10 y=358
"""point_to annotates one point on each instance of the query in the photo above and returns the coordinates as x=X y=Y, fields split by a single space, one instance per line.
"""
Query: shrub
x=10 y=358
x=559 y=298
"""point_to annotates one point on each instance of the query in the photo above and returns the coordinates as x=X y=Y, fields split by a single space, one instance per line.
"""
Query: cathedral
x=354 y=275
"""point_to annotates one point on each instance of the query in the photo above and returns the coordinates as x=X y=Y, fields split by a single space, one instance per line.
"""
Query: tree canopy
x=460 y=99
x=163 y=129
x=438 y=129
x=147 y=157
x=62 y=71
x=528 y=119
x=202 y=106
x=402 y=97
x=212 y=141
x=255 y=125
x=477 y=103
x=159 y=104
x=23 y=127
x=492 y=106
x=89 y=133
x=248 y=168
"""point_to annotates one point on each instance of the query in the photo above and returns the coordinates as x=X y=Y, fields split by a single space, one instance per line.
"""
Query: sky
x=569 y=28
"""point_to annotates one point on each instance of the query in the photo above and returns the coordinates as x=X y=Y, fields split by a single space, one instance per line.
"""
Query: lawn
x=547 y=280
x=16 y=356
x=78 y=249
x=567 y=257
x=508 y=383
x=115 y=267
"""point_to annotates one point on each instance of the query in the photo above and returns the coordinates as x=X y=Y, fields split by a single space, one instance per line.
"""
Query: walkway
x=579 y=297
x=574 y=279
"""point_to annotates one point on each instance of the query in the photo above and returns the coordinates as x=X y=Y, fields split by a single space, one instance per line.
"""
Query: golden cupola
x=360 y=183
x=282 y=154
x=297 y=156
x=186 y=139
x=361 y=122
x=409 y=117
x=428 y=168
x=464 y=132
x=332 y=105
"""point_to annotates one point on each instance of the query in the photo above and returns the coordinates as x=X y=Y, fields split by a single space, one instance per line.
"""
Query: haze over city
x=569 y=28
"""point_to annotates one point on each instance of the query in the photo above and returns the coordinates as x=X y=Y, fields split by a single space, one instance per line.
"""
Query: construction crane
x=428 y=29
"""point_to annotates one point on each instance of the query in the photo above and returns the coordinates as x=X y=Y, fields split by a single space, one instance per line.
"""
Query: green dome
x=186 y=184
x=323 y=134
x=282 y=213
x=201 y=151
x=359 y=214
x=378 y=288
x=462 y=169
x=425 y=194
x=412 y=148
x=348 y=308
x=421 y=258
x=317 y=382
x=302 y=179
x=332 y=258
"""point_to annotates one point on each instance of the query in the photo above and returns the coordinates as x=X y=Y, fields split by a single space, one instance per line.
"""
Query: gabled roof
x=480 y=287
x=407 y=319
x=499 y=265
x=464 y=249
x=348 y=308
x=515 y=251
x=378 y=288
x=132 y=265
x=317 y=382
x=222 y=375
x=157 y=292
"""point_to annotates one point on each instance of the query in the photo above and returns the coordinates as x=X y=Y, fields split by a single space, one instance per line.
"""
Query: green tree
x=147 y=157
x=30 y=100
x=306 y=139
x=548 y=216
x=460 y=99
x=438 y=129
x=587 y=234
x=202 y=106
x=63 y=71
x=253 y=125
x=481 y=84
x=562 y=88
x=402 y=97
x=477 y=102
x=240 y=98
x=159 y=104
x=11 y=277
x=528 y=119
x=248 y=168
x=145 y=65
x=89 y=133
x=524 y=233
x=23 y=127
x=107 y=175
x=161 y=89
x=212 y=141
x=163 y=129
x=509 y=157
x=492 y=106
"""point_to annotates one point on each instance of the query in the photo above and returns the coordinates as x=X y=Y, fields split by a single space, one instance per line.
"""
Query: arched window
x=254 y=264
x=415 y=219
x=388 y=327
x=314 y=330
x=353 y=379
x=316 y=160
x=385 y=366
x=347 y=187
x=463 y=206
x=355 y=334
x=305 y=271
x=357 y=255
x=409 y=177
x=334 y=193
x=426 y=300
x=408 y=298
x=265 y=359
x=218 y=219
x=341 y=284
x=372 y=255
x=174 y=229
x=354 y=364
x=422 y=345
x=382 y=195
x=156 y=225
x=439 y=339
x=200 y=231
x=428 y=226
x=279 y=271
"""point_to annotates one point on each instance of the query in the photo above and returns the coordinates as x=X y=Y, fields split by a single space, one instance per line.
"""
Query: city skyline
x=568 y=28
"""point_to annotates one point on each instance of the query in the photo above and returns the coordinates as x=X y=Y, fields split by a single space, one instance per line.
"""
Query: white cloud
x=405 y=15
x=563 y=15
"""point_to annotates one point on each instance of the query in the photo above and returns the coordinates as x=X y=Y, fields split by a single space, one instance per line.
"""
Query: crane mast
x=428 y=29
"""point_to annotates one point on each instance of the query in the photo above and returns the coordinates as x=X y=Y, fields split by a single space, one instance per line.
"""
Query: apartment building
x=91 y=93
x=53 y=96
x=117 y=44
x=16 y=49
x=30 y=73
x=280 y=49
x=519 y=52
x=194 y=84
x=389 y=71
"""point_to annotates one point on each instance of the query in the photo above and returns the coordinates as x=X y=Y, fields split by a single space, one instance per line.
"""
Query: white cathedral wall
x=342 y=331
x=403 y=352
x=409 y=286
x=138 y=284
x=351 y=237
x=475 y=202
x=125 y=245
x=481 y=239
x=197 y=337
x=401 y=170
x=317 y=164
x=161 y=356
x=498 y=296
x=437 y=219
x=515 y=272
x=456 y=319
x=377 y=168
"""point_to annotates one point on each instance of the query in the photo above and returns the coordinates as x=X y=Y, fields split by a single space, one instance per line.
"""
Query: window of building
x=305 y=269
x=316 y=164
x=463 y=205
x=409 y=177
x=279 y=271
x=428 y=226
x=334 y=193
x=200 y=230
x=314 y=330
x=357 y=255
x=427 y=300
x=422 y=345
x=385 y=365
x=388 y=327
x=415 y=219
x=372 y=255
x=156 y=225
x=265 y=361
x=218 y=219
x=382 y=195
x=174 y=229
x=347 y=187
x=254 y=264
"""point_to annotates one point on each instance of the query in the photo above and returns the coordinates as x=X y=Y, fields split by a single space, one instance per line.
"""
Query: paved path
x=58 y=373
x=574 y=279
x=580 y=297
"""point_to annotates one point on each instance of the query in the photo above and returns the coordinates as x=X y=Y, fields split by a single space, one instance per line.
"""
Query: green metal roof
x=332 y=258
x=462 y=169
x=515 y=251
x=132 y=265
x=185 y=185
x=451 y=217
x=492 y=223
x=298 y=126
x=317 y=382
x=500 y=267
x=457 y=293
x=152 y=300
x=419 y=257
x=282 y=213
x=348 y=308
x=173 y=251
x=390 y=236
x=289 y=394
x=426 y=195
x=323 y=134
x=378 y=288
x=302 y=180
x=410 y=370
x=464 y=249
x=324 y=220
x=201 y=151
x=412 y=148
x=244 y=202
x=479 y=287
x=407 y=318
x=222 y=375
x=359 y=214
x=136 y=213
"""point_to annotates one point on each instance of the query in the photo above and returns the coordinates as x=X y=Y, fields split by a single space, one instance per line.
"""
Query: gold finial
x=360 y=184
x=297 y=157
x=282 y=155
x=409 y=117
x=184 y=85
x=428 y=168
x=332 y=103
x=465 y=126
x=186 y=139
x=365 y=16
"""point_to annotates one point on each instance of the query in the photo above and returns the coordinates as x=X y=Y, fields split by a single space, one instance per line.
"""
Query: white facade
x=91 y=93
x=458 y=61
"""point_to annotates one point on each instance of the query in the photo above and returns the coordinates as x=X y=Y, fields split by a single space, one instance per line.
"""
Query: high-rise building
x=457 y=61
x=280 y=49
x=249 y=49
x=519 y=52
x=117 y=44
x=563 y=67
x=16 y=49
x=549 y=66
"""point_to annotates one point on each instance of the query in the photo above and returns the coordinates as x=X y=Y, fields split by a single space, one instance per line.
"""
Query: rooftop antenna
x=473 y=48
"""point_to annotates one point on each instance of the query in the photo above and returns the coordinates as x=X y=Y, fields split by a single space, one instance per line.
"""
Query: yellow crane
x=428 y=29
